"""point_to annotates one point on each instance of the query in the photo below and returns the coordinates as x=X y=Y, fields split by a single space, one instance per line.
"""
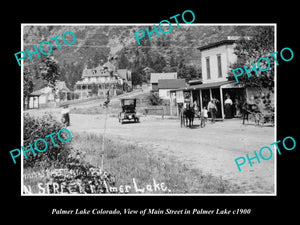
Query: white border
x=146 y=24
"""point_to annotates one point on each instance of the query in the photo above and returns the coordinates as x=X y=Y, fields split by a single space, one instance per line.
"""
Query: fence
x=155 y=110
x=57 y=104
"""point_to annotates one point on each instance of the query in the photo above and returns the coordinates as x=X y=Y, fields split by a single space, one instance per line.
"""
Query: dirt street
x=211 y=149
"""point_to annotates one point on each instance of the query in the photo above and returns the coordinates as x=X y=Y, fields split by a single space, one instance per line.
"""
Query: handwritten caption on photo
x=79 y=188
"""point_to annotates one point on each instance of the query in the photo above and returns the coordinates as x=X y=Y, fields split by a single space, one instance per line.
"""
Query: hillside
x=175 y=51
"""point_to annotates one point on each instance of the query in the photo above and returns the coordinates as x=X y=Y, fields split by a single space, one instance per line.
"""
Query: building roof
x=171 y=83
x=96 y=72
x=36 y=93
x=195 y=82
x=216 y=44
x=159 y=76
x=59 y=85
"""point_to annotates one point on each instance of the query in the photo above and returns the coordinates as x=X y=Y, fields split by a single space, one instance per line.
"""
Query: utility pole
x=104 y=130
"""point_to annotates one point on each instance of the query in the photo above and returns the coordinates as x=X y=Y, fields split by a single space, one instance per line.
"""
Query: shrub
x=119 y=92
x=39 y=127
x=154 y=99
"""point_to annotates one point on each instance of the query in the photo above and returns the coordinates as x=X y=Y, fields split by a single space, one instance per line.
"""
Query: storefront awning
x=205 y=86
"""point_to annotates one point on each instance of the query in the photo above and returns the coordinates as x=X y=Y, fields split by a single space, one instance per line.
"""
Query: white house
x=46 y=95
x=101 y=79
x=165 y=85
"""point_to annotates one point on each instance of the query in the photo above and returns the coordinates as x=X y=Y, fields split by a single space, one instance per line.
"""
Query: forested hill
x=172 y=52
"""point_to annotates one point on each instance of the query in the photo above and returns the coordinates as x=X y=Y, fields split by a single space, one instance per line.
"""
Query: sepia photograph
x=148 y=109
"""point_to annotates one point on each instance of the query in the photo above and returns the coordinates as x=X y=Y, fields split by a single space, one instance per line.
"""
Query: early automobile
x=128 y=110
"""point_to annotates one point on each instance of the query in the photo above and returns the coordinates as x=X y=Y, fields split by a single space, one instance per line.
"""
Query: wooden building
x=165 y=85
x=45 y=95
x=215 y=59
x=154 y=77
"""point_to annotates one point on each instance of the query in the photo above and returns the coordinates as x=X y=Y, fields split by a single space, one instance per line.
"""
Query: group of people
x=230 y=108
x=213 y=109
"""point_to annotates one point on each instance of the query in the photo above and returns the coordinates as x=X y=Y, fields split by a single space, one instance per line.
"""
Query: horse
x=190 y=115
x=187 y=116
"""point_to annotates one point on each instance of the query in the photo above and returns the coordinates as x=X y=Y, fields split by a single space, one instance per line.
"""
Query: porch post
x=210 y=94
x=201 y=103
x=221 y=99
x=171 y=104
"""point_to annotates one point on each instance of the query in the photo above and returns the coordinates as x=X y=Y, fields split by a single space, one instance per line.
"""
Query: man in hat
x=212 y=108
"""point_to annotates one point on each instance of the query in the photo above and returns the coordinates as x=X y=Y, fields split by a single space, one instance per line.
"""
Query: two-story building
x=215 y=60
x=97 y=81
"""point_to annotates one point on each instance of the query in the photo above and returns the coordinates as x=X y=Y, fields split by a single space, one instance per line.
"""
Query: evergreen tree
x=50 y=71
x=123 y=62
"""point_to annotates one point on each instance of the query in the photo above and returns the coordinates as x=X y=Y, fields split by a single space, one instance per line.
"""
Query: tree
x=159 y=64
x=137 y=78
x=27 y=84
x=188 y=72
x=247 y=51
x=50 y=71
x=123 y=62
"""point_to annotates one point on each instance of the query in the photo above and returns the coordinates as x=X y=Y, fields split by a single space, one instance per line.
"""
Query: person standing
x=196 y=109
x=205 y=113
x=212 y=108
x=228 y=104
x=65 y=115
x=237 y=108
x=203 y=116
